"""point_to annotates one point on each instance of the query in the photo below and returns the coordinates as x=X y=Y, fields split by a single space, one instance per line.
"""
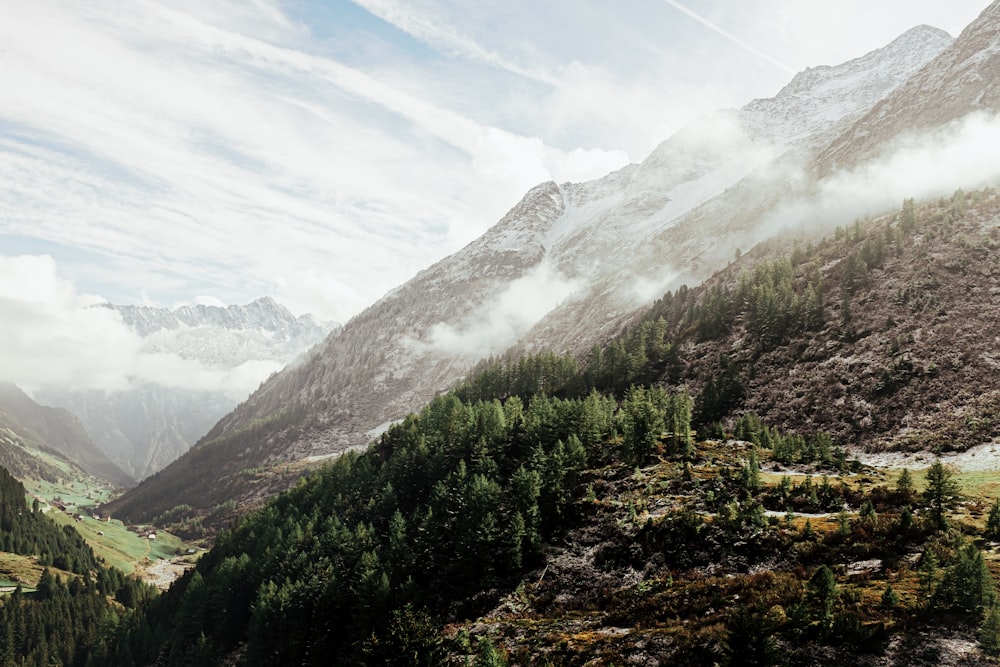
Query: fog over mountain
x=571 y=264
x=198 y=362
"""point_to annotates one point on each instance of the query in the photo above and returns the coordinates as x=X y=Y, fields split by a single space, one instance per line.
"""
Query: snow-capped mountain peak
x=581 y=258
x=824 y=97
x=220 y=352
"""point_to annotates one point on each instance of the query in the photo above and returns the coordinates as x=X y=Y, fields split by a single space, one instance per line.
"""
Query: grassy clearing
x=118 y=546
x=79 y=493
x=110 y=540
x=984 y=484
x=25 y=570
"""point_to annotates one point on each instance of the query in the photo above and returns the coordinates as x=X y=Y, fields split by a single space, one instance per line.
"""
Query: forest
x=77 y=607
x=555 y=510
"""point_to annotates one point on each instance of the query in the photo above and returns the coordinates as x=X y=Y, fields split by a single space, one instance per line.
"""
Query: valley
x=734 y=404
x=157 y=561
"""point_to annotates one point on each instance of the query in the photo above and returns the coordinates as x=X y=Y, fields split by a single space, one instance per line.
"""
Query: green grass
x=118 y=546
x=82 y=494
x=983 y=484
x=24 y=570
x=110 y=541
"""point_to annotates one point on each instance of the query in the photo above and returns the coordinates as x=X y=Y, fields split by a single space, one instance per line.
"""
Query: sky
x=174 y=152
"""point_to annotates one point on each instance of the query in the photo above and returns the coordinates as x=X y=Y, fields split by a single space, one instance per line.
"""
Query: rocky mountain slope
x=961 y=80
x=544 y=514
x=906 y=358
x=40 y=442
x=565 y=269
x=150 y=425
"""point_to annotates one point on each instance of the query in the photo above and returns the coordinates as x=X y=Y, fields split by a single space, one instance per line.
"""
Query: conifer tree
x=989 y=632
x=941 y=493
x=993 y=522
x=928 y=575
x=821 y=594
x=904 y=485
x=889 y=598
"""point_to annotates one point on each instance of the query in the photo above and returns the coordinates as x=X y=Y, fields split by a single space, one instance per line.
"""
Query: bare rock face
x=566 y=268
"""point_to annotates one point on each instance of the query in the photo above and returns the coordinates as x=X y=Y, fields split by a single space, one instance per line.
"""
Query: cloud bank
x=958 y=155
x=52 y=336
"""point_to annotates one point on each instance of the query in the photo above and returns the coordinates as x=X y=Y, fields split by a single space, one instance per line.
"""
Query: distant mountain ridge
x=584 y=259
x=150 y=425
x=262 y=314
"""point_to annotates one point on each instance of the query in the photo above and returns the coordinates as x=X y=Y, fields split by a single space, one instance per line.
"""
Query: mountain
x=961 y=80
x=564 y=270
x=150 y=425
x=44 y=443
x=544 y=513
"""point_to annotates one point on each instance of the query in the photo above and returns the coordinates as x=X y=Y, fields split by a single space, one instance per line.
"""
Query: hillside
x=58 y=603
x=40 y=442
x=899 y=359
x=568 y=266
x=545 y=513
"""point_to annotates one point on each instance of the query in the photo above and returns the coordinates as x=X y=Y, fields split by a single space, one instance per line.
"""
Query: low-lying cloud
x=959 y=155
x=500 y=322
x=52 y=336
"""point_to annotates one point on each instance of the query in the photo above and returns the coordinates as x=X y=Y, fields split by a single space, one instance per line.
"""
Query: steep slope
x=578 y=519
x=564 y=269
x=150 y=425
x=30 y=430
x=963 y=79
x=905 y=356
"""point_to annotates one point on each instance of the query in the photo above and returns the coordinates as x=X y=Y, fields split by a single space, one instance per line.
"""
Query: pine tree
x=867 y=513
x=489 y=656
x=989 y=632
x=993 y=522
x=821 y=594
x=941 y=493
x=751 y=472
x=967 y=585
x=889 y=598
x=928 y=574
x=807 y=531
x=904 y=485
x=905 y=520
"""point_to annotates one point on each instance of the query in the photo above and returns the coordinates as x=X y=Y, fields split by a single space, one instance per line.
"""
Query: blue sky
x=179 y=151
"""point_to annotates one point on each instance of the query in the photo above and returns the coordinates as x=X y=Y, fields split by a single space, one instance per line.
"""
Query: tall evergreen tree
x=941 y=493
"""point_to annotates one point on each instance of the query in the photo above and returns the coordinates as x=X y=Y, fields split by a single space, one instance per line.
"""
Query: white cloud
x=197 y=151
x=227 y=148
x=430 y=27
x=53 y=336
x=961 y=154
x=498 y=323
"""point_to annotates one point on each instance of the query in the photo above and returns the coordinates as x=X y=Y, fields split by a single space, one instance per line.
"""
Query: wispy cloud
x=434 y=30
x=498 y=324
x=231 y=149
x=922 y=165
x=208 y=153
